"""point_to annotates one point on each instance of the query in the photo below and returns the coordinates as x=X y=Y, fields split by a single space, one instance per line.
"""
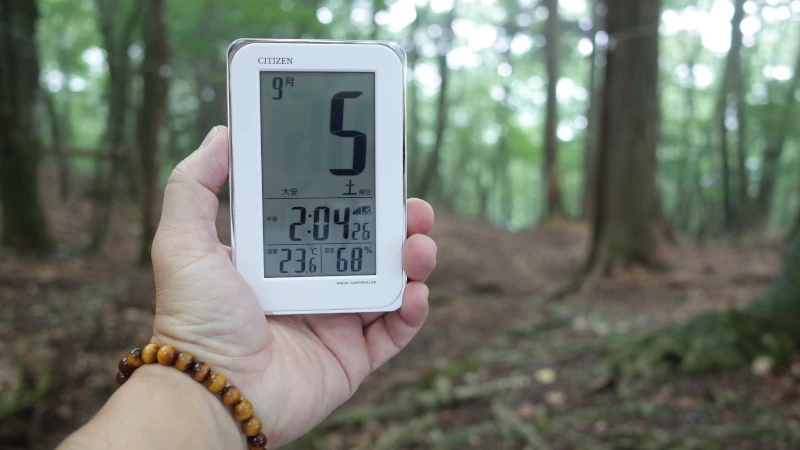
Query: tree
x=554 y=204
x=627 y=225
x=728 y=89
x=592 y=116
x=430 y=174
x=155 y=72
x=725 y=340
x=776 y=141
x=23 y=224
x=117 y=38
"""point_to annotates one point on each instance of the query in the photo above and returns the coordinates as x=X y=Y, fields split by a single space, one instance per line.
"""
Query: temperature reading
x=318 y=173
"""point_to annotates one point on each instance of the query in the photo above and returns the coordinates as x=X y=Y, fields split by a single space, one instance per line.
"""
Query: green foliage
x=770 y=327
x=689 y=176
x=22 y=395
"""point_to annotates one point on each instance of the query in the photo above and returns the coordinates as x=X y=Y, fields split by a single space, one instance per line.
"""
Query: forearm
x=159 y=408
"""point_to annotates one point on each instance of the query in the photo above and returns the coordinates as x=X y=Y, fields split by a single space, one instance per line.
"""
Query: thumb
x=188 y=217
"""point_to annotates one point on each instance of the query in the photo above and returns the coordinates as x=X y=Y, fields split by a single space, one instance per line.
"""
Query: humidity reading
x=318 y=173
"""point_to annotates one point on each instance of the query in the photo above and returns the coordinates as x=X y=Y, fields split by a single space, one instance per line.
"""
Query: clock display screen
x=318 y=173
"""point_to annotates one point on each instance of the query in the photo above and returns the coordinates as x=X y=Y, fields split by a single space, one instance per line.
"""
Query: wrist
x=161 y=408
x=205 y=412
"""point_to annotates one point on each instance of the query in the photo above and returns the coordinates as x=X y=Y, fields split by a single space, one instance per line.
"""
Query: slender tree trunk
x=776 y=143
x=732 y=67
x=58 y=146
x=685 y=172
x=377 y=6
x=107 y=169
x=155 y=88
x=455 y=186
x=741 y=139
x=430 y=175
x=414 y=128
x=627 y=226
x=554 y=204
x=23 y=222
x=592 y=116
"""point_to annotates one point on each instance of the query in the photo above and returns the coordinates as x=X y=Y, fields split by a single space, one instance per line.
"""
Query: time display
x=318 y=173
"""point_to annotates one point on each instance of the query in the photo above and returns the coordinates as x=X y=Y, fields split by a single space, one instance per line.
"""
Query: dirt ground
x=499 y=364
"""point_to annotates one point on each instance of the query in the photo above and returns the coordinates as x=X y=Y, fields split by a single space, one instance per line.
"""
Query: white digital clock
x=317 y=182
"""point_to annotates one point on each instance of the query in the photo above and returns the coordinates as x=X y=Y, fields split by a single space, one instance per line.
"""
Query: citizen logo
x=264 y=60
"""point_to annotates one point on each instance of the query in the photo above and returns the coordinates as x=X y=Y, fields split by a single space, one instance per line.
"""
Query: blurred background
x=617 y=187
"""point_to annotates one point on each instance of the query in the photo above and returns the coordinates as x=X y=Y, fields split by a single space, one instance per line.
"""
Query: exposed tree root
x=723 y=340
x=442 y=396
x=399 y=435
x=511 y=425
x=462 y=437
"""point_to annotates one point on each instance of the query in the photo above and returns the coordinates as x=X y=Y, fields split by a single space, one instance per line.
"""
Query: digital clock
x=317 y=136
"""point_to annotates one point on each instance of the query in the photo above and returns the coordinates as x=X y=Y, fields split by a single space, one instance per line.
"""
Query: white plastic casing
x=314 y=295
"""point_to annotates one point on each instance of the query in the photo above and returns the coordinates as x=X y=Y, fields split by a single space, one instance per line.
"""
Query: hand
x=294 y=369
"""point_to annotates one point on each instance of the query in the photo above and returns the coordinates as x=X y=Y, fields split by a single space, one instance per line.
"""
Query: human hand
x=294 y=369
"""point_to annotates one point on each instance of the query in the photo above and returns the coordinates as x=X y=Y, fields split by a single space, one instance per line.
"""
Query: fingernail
x=209 y=137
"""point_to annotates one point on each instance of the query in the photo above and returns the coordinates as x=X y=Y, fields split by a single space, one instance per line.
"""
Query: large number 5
x=360 y=141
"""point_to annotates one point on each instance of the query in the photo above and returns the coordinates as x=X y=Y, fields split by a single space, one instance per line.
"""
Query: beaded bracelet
x=201 y=372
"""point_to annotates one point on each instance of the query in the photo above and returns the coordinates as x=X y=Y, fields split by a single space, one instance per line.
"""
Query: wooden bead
x=134 y=357
x=243 y=410
x=125 y=368
x=251 y=426
x=184 y=361
x=167 y=355
x=257 y=442
x=149 y=353
x=199 y=371
x=231 y=396
x=121 y=379
x=216 y=382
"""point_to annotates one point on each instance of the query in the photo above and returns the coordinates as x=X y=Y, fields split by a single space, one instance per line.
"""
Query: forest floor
x=499 y=364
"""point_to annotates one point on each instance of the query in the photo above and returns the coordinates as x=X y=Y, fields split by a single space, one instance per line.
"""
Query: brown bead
x=184 y=361
x=257 y=442
x=251 y=426
x=121 y=379
x=231 y=396
x=216 y=382
x=125 y=368
x=167 y=355
x=243 y=410
x=134 y=357
x=199 y=371
x=149 y=353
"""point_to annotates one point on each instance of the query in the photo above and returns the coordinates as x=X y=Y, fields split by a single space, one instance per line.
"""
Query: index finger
x=419 y=218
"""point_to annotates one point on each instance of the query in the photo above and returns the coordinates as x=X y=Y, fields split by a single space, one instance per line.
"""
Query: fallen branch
x=508 y=421
x=442 y=396
x=398 y=435
x=463 y=436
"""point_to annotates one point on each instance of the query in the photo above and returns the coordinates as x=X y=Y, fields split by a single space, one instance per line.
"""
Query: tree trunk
x=554 y=205
x=155 y=88
x=592 y=118
x=414 y=128
x=107 y=170
x=733 y=66
x=23 y=223
x=687 y=172
x=430 y=175
x=741 y=138
x=57 y=138
x=776 y=143
x=627 y=225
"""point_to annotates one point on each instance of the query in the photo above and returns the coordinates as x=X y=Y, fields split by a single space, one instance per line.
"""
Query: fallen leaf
x=555 y=398
x=545 y=376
